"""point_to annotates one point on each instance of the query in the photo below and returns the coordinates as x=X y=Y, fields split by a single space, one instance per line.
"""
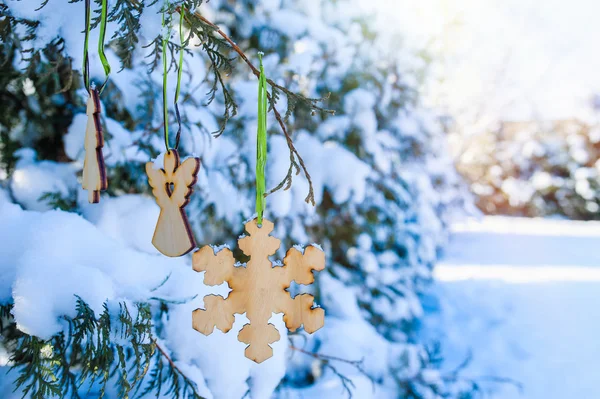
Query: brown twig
x=233 y=45
x=177 y=369
x=310 y=198
x=455 y=375
x=321 y=356
x=166 y=355
x=255 y=70
x=287 y=180
x=241 y=53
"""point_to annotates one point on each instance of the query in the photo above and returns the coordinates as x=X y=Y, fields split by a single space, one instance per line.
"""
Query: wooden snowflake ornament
x=94 y=171
x=172 y=186
x=258 y=290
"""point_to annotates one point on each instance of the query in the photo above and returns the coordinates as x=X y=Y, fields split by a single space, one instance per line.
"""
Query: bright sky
x=513 y=59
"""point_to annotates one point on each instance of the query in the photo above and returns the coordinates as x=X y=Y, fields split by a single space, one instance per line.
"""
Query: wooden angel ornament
x=258 y=289
x=172 y=186
x=94 y=171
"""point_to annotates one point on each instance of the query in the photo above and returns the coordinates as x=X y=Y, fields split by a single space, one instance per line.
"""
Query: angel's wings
x=173 y=184
x=184 y=179
x=157 y=180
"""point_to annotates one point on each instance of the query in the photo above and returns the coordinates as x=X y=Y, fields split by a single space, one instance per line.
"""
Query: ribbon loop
x=165 y=43
x=103 y=60
x=101 y=39
x=86 y=60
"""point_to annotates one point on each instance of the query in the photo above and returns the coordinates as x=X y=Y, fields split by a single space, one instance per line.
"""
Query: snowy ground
x=523 y=296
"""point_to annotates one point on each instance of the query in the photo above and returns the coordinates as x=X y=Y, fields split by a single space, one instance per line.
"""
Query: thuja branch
x=287 y=180
x=99 y=351
x=233 y=45
x=312 y=102
x=171 y=377
x=457 y=375
x=297 y=163
x=327 y=362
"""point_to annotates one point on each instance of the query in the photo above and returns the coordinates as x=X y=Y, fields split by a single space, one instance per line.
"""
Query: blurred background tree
x=536 y=169
x=521 y=93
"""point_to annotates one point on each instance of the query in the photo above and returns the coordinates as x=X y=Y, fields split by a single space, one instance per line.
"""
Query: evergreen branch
x=296 y=160
x=99 y=350
x=177 y=374
x=127 y=14
x=326 y=360
x=213 y=47
x=162 y=283
x=57 y=200
x=156 y=48
x=45 y=63
x=287 y=180
x=42 y=5
x=311 y=102
x=37 y=376
x=173 y=376
x=455 y=376
x=230 y=105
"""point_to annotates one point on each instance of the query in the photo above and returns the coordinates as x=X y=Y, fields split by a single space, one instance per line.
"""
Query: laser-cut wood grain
x=94 y=171
x=258 y=290
x=172 y=187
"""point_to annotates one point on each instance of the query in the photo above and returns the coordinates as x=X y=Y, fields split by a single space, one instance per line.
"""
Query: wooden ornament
x=94 y=171
x=172 y=187
x=258 y=290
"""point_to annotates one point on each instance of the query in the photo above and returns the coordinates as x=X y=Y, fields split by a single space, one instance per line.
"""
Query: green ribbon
x=261 y=143
x=101 y=39
x=180 y=66
x=86 y=61
x=165 y=43
x=103 y=59
x=179 y=71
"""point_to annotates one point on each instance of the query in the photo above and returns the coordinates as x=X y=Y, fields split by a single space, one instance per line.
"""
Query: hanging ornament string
x=86 y=60
x=103 y=60
x=179 y=71
x=173 y=183
x=94 y=177
x=261 y=143
x=101 y=39
x=165 y=43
